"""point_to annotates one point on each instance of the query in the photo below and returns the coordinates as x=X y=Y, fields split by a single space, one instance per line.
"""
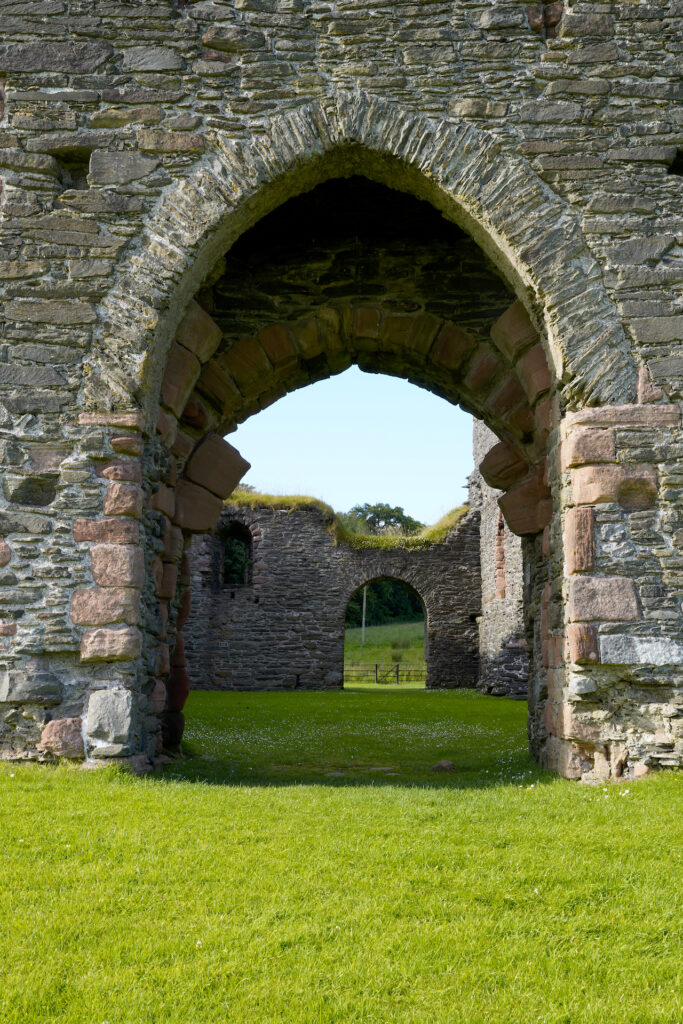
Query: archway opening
x=354 y=273
x=385 y=636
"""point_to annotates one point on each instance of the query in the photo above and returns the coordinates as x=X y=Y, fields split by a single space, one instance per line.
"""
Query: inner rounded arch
x=385 y=635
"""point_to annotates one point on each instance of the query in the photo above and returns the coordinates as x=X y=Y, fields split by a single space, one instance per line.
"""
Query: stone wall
x=138 y=144
x=284 y=629
x=503 y=656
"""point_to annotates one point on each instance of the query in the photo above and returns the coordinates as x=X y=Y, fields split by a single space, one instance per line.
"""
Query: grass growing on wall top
x=305 y=865
x=435 y=534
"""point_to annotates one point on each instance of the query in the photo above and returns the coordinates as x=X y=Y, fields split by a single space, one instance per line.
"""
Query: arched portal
x=555 y=353
x=386 y=634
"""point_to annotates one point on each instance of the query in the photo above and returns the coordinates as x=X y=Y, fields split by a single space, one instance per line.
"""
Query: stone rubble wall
x=285 y=628
x=503 y=654
x=137 y=143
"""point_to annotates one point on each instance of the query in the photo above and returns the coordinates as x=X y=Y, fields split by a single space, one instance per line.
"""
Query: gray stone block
x=110 y=716
x=111 y=168
x=640 y=650
x=29 y=686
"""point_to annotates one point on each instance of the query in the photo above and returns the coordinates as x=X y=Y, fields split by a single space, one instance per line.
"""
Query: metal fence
x=388 y=674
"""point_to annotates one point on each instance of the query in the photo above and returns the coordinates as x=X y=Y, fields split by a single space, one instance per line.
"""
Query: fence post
x=376 y=679
x=397 y=673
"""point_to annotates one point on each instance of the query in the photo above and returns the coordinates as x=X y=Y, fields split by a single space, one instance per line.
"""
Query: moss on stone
x=436 y=534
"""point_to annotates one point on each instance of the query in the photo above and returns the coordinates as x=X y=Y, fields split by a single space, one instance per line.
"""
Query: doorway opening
x=385 y=637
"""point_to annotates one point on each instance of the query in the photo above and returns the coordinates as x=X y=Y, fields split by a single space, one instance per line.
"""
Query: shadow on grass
x=356 y=737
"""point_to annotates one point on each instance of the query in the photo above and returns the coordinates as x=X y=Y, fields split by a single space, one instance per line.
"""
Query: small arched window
x=237 y=555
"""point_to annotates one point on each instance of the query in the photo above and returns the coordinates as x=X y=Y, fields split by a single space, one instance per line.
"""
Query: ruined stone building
x=207 y=205
x=279 y=623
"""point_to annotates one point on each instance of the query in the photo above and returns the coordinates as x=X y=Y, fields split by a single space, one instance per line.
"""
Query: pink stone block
x=117 y=565
x=101 y=606
x=603 y=599
x=123 y=500
x=216 y=465
x=106 y=644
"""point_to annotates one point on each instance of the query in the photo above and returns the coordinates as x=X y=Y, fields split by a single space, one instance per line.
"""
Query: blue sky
x=361 y=437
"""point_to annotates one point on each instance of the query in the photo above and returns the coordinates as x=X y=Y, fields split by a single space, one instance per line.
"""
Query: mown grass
x=277 y=876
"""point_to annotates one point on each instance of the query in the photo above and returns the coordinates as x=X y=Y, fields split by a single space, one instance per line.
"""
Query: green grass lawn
x=304 y=865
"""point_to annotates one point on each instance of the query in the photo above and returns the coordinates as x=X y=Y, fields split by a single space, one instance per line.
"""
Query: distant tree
x=387 y=601
x=378 y=519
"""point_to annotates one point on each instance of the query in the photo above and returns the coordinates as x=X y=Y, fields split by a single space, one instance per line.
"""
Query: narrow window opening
x=676 y=165
x=237 y=556
x=500 y=557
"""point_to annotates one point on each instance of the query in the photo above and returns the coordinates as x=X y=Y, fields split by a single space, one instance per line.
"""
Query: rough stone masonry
x=282 y=627
x=143 y=146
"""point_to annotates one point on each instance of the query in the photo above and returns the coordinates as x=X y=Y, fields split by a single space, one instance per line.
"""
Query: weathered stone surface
x=180 y=377
x=5 y=553
x=583 y=643
x=579 y=540
x=281 y=625
x=151 y=58
x=217 y=466
x=123 y=500
x=623 y=649
x=117 y=168
x=502 y=466
x=110 y=716
x=74 y=58
x=63 y=737
x=634 y=487
x=117 y=565
x=649 y=416
x=513 y=332
x=101 y=606
x=106 y=531
x=29 y=685
x=587 y=445
x=607 y=599
x=199 y=333
x=197 y=509
x=106 y=644
x=527 y=506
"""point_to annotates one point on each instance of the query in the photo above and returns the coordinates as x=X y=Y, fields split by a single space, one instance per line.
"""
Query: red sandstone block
x=163 y=615
x=107 y=644
x=117 y=565
x=183 y=445
x=513 y=331
x=169 y=580
x=173 y=544
x=123 y=500
x=106 y=531
x=180 y=376
x=122 y=469
x=626 y=416
x=527 y=506
x=5 y=553
x=555 y=650
x=102 y=606
x=185 y=607
x=276 y=342
x=633 y=486
x=502 y=466
x=566 y=758
x=132 y=420
x=521 y=423
x=579 y=540
x=217 y=385
x=583 y=643
x=163 y=500
x=127 y=444
x=62 y=737
x=586 y=445
x=505 y=397
x=8 y=628
x=197 y=509
x=647 y=392
x=163 y=666
x=532 y=370
x=365 y=322
x=185 y=565
x=452 y=347
x=178 y=659
x=602 y=598
x=247 y=364
x=199 y=414
x=216 y=465
x=483 y=367
x=167 y=425
x=393 y=335
x=157 y=570
x=199 y=332
x=177 y=689
x=307 y=338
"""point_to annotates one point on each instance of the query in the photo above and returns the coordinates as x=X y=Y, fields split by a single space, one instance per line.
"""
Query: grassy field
x=305 y=866
x=400 y=643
